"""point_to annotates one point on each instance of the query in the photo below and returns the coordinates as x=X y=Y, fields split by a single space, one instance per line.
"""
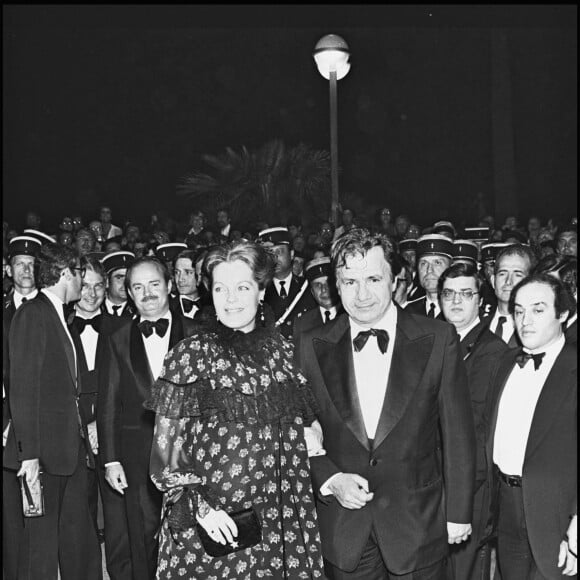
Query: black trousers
x=468 y=561
x=143 y=503
x=13 y=536
x=514 y=553
x=373 y=567
x=65 y=536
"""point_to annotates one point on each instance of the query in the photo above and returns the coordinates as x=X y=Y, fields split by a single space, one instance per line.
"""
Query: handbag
x=32 y=498
x=249 y=534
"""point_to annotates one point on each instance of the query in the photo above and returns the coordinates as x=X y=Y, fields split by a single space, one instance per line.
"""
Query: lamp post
x=331 y=57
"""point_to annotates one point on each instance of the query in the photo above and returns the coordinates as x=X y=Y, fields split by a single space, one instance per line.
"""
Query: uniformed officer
x=116 y=301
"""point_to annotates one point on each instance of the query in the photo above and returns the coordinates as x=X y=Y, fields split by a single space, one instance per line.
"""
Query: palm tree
x=268 y=183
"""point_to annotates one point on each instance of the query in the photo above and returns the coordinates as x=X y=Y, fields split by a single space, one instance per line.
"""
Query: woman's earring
x=262 y=312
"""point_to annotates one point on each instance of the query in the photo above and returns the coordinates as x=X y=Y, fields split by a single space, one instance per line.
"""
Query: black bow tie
x=159 y=326
x=363 y=336
x=523 y=357
x=187 y=305
x=81 y=323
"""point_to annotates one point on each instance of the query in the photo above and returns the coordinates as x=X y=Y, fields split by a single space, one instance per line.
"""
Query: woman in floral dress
x=233 y=420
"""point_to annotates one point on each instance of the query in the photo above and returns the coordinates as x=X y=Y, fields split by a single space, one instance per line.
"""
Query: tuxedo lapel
x=176 y=332
x=64 y=338
x=81 y=356
x=552 y=397
x=334 y=357
x=410 y=355
x=138 y=356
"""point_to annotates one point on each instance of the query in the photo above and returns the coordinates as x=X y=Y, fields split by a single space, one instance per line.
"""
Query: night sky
x=114 y=104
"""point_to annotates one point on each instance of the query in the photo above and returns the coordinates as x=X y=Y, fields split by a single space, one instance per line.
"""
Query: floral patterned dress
x=229 y=434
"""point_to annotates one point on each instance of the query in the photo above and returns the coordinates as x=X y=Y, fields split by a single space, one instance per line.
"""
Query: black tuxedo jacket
x=279 y=305
x=45 y=386
x=418 y=307
x=124 y=426
x=550 y=471
x=571 y=333
x=88 y=395
x=409 y=467
x=308 y=321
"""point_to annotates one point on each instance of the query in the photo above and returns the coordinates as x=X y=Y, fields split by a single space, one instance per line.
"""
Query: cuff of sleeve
x=324 y=488
x=112 y=463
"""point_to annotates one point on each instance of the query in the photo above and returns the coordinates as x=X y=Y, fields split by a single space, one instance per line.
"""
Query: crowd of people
x=374 y=400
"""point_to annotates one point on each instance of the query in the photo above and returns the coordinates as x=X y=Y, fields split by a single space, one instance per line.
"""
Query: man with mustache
x=134 y=359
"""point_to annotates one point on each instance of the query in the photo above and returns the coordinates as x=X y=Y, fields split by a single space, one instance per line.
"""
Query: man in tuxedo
x=434 y=254
x=49 y=436
x=481 y=350
x=513 y=263
x=116 y=302
x=188 y=299
x=89 y=329
x=533 y=438
x=134 y=360
x=224 y=224
x=22 y=252
x=323 y=288
x=287 y=294
x=392 y=492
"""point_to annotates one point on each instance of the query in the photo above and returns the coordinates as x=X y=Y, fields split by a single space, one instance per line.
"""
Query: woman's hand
x=219 y=526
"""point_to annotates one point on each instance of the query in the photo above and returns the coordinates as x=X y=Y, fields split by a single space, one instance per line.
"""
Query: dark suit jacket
x=125 y=428
x=406 y=468
x=481 y=351
x=44 y=390
x=308 y=321
x=571 y=333
x=418 y=307
x=550 y=471
x=280 y=305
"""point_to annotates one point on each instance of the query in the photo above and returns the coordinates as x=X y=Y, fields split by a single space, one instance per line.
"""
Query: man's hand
x=219 y=526
x=30 y=468
x=351 y=490
x=569 y=550
x=115 y=476
x=457 y=533
x=93 y=440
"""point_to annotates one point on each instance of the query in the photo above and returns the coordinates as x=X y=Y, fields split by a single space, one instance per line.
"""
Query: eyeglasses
x=449 y=294
x=82 y=271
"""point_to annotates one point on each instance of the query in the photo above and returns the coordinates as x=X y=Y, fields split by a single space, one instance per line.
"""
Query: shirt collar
x=17 y=297
x=55 y=300
x=288 y=281
x=111 y=304
x=83 y=315
x=167 y=316
x=552 y=351
x=388 y=322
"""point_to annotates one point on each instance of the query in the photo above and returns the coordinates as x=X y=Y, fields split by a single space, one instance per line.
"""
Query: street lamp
x=331 y=57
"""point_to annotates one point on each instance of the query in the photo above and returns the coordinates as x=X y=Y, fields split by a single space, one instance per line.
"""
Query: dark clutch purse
x=249 y=534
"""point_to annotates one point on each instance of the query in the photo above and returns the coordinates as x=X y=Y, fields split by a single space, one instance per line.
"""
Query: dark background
x=114 y=104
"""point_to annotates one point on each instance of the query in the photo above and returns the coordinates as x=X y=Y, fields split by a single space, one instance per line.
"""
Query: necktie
x=82 y=323
x=283 y=293
x=187 y=305
x=159 y=326
x=523 y=357
x=24 y=300
x=431 y=313
x=116 y=309
x=499 y=329
x=363 y=336
x=326 y=316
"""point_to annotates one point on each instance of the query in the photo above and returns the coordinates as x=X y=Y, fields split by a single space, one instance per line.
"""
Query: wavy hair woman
x=235 y=425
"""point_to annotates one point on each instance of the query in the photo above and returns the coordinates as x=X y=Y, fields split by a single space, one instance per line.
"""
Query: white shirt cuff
x=324 y=487
x=112 y=463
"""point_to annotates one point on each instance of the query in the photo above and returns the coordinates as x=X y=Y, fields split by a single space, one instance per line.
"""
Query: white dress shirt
x=156 y=347
x=109 y=307
x=287 y=280
x=18 y=298
x=516 y=409
x=194 y=308
x=371 y=369
x=507 y=330
x=332 y=311
x=89 y=338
